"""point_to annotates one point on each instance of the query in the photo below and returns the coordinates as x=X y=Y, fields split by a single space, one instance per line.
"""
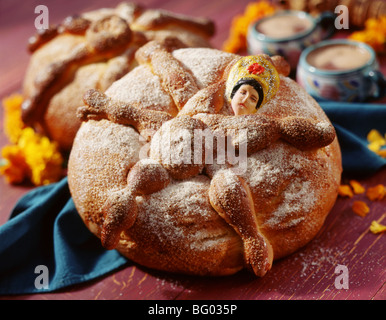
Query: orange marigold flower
x=360 y=208
x=376 y=193
x=374 y=34
x=30 y=156
x=42 y=156
x=13 y=125
x=34 y=157
x=235 y=43
x=14 y=167
x=345 y=191
x=357 y=187
x=240 y=24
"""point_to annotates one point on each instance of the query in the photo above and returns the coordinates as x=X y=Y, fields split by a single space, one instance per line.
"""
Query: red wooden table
x=345 y=239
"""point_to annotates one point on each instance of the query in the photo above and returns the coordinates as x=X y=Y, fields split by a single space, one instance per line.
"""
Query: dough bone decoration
x=92 y=50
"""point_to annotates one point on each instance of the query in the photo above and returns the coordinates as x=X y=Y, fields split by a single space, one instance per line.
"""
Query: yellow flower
x=42 y=156
x=374 y=34
x=13 y=125
x=30 y=156
x=14 y=168
x=240 y=24
x=258 y=9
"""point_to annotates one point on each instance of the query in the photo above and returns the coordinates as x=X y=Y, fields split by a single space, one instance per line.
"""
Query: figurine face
x=245 y=100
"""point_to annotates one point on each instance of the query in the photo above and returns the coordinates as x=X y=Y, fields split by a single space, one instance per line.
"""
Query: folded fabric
x=45 y=237
x=353 y=122
x=45 y=230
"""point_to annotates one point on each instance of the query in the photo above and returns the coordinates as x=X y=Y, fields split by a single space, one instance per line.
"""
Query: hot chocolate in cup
x=341 y=70
x=284 y=26
x=288 y=33
x=339 y=56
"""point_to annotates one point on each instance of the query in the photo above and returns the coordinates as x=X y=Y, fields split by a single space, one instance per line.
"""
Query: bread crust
x=180 y=227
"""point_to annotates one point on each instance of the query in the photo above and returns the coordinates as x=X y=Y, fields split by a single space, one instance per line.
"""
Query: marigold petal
x=360 y=208
x=382 y=153
x=13 y=123
x=13 y=155
x=374 y=33
x=14 y=168
x=345 y=191
x=34 y=157
x=376 y=227
x=13 y=174
x=357 y=187
x=240 y=25
x=375 y=135
x=376 y=193
x=375 y=146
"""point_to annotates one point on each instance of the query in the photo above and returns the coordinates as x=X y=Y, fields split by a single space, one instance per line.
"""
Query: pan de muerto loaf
x=92 y=50
x=165 y=171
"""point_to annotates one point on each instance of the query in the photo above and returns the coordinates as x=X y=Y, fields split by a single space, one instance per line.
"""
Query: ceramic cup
x=341 y=70
x=288 y=33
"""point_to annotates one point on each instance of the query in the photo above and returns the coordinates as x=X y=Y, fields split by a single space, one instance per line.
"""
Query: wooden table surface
x=345 y=238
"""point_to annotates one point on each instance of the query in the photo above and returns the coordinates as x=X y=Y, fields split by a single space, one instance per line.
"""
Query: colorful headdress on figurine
x=252 y=69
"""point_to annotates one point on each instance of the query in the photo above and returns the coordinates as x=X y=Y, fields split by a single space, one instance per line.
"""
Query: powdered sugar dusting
x=293 y=100
x=280 y=175
x=268 y=167
x=98 y=165
x=206 y=64
x=171 y=215
x=298 y=197
x=185 y=196
x=142 y=87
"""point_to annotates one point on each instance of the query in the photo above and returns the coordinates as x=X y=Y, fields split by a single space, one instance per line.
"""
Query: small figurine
x=251 y=82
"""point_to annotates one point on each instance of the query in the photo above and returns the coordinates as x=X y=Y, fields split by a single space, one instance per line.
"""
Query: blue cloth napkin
x=45 y=242
x=352 y=122
x=46 y=230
